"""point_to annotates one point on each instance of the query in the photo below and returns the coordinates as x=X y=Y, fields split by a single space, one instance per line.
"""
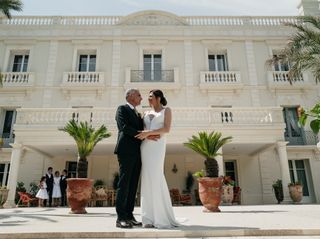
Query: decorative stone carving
x=153 y=19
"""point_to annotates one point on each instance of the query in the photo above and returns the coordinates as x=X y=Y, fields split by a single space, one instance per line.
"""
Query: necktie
x=136 y=112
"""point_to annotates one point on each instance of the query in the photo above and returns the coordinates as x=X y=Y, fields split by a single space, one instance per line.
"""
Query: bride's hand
x=142 y=135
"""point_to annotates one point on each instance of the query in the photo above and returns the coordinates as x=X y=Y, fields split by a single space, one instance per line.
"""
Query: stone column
x=220 y=162
x=13 y=174
x=284 y=168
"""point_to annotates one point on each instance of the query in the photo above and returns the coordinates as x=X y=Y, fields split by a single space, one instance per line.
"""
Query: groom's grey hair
x=131 y=91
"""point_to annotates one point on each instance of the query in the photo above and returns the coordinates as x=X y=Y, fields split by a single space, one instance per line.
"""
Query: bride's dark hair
x=159 y=94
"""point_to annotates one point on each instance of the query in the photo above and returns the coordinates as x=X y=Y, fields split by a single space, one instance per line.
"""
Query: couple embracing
x=141 y=147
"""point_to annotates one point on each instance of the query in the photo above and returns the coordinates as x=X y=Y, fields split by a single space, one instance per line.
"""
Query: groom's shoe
x=123 y=224
x=135 y=223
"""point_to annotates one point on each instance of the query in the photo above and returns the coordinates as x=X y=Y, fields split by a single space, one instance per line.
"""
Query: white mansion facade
x=211 y=69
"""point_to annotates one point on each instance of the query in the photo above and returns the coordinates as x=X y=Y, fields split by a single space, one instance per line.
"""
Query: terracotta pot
x=210 y=190
x=3 y=196
x=296 y=193
x=227 y=194
x=79 y=192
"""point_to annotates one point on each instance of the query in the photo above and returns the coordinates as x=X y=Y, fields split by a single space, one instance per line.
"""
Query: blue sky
x=179 y=7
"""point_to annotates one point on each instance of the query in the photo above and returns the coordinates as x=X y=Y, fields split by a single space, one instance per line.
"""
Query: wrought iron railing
x=306 y=138
x=152 y=76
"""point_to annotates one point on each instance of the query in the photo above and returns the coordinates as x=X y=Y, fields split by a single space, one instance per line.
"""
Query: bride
x=156 y=208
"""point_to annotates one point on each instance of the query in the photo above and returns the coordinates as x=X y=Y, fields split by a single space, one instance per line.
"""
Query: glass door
x=300 y=171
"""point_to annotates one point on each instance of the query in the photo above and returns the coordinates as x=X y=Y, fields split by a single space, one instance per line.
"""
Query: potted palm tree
x=86 y=137
x=210 y=184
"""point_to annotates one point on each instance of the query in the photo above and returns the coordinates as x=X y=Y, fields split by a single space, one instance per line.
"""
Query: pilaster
x=51 y=68
x=188 y=65
x=115 y=74
x=252 y=73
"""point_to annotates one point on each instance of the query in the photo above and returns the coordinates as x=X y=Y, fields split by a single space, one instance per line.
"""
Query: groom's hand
x=154 y=137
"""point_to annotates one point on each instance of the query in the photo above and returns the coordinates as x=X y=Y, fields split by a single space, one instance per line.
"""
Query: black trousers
x=49 y=201
x=63 y=197
x=129 y=174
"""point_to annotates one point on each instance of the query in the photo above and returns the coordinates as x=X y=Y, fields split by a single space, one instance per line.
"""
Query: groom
x=129 y=122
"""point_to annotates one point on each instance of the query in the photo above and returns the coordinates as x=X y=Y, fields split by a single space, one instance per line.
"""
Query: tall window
x=293 y=133
x=87 y=63
x=152 y=67
x=9 y=120
x=20 y=63
x=218 y=62
x=71 y=169
x=298 y=173
x=4 y=173
x=281 y=66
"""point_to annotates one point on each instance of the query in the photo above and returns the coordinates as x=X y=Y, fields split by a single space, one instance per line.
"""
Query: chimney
x=309 y=8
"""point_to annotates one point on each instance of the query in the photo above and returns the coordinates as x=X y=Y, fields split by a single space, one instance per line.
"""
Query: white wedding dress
x=156 y=207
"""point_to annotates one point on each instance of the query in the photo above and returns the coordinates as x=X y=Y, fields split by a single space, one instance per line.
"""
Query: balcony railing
x=191 y=117
x=80 y=79
x=220 y=80
x=306 y=138
x=152 y=76
x=281 y=80
x=114 y=20
x=17 y=79
x=164 y=79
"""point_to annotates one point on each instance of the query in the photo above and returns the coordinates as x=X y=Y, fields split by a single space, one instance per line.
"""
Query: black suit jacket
x=63 y=183
x=128 y=126
x=49 y=181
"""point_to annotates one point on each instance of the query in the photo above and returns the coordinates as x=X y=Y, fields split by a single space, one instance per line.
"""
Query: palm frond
x=303 y=49
x=206 y=144
x=85 y=136
x=6 y=6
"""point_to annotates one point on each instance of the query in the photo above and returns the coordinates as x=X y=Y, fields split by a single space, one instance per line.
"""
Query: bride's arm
x=165 y=129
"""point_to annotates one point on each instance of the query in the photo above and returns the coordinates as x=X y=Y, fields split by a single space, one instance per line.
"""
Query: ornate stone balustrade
x=280 y=80
x=220 y=80
x=17 y=82
x=78 y=79
x=82 y=81
x=57 y=117
x=238 y=21
x=67 y=20
x=18 y=79
x=182 y=117
x=114 y=20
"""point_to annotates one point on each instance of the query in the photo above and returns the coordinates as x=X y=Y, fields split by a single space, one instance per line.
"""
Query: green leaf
x=315 y=126
x=303 y=119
